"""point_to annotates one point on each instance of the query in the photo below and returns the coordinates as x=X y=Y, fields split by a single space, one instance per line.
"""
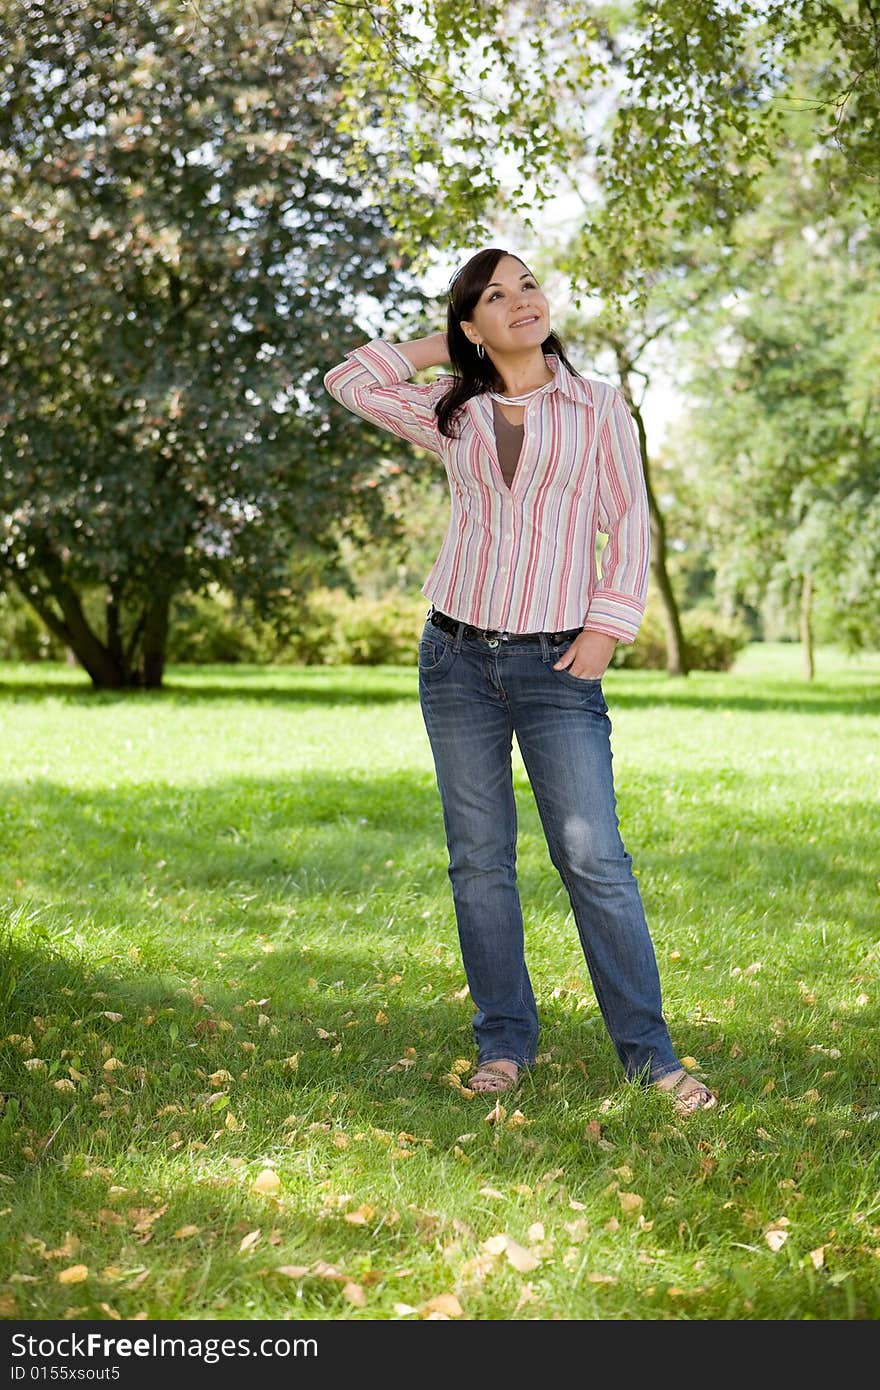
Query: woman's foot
x=688 y=1093
x=495 y=1076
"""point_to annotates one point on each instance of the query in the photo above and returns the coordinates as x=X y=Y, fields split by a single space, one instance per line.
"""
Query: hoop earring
x=481 y=351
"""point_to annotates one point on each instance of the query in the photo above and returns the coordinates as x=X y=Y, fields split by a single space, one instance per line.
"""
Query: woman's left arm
x=617 y=605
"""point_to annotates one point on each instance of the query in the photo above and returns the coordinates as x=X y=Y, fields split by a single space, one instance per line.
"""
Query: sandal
x=493 y=1078
x=688 y=1094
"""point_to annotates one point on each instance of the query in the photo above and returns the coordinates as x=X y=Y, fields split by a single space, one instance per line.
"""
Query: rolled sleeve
x=373 y=382
x=617 y=604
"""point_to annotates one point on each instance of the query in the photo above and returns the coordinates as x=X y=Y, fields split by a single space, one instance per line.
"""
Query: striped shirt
x=523 y=558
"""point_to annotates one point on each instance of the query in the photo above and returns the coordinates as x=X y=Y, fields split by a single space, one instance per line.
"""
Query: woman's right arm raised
x=373 y=382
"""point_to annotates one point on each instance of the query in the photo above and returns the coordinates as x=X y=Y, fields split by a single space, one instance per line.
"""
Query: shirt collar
x=575 y=387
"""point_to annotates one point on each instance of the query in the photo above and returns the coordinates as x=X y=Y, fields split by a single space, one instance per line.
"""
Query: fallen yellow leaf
x=360 y=1217
x=64 y=1252
x=249 y=1241
x=267 y=1181
x=76 y=1274
x=630 y=1201
x=495 y=1245
x=354 y=1295
x=446 y=1304
x=293 y=1271
x=522 y=1260
x=183 y=1232
x=776 y=1239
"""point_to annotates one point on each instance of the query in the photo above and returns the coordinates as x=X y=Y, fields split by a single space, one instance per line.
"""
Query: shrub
x=347 y=631
x=210 y=628
x=23 y=636
x=711 y=642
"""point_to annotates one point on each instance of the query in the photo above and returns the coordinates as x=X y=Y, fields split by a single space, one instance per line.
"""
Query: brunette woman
x=522 y=625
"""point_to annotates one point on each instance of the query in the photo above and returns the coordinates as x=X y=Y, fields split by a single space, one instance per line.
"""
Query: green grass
x=228 y=946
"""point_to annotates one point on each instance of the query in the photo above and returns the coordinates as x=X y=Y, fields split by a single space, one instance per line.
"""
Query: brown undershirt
x=508 y=442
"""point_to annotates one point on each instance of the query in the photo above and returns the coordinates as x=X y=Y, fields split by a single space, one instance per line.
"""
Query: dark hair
x=474 y=374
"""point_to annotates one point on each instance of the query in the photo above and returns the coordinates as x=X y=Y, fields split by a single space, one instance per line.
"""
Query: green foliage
x=783 y=442
x=338 y=629
x=213 y=627
x=711 y=641
x=22 y=636
x=670 y=109
x=182 y=256
x=324 y=627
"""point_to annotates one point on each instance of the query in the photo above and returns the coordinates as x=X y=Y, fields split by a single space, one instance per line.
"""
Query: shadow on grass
x=241 y=853
x=784 y=697
x=67 y=997
x=378 y=685
x=199 y=1181
x=311 y=686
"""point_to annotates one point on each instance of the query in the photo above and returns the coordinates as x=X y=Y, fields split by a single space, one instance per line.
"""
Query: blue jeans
x=474 y=697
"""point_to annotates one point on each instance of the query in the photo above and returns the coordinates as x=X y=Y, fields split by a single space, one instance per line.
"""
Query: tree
x=498 y=100
x=663 y=116
x=784 y=436
x=182 y=256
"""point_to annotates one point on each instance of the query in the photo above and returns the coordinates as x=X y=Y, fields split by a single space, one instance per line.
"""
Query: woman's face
x=512 y=314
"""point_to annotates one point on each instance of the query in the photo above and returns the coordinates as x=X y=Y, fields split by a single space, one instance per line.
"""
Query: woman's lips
x=524 y=323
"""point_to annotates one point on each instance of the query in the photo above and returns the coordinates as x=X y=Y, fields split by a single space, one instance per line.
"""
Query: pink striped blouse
x=523 y=558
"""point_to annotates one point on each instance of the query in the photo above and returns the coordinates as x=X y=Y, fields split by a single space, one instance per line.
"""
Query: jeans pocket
x=435 y=655
x=588 y=685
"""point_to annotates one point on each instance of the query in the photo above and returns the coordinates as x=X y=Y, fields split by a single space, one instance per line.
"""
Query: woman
x=521 y=629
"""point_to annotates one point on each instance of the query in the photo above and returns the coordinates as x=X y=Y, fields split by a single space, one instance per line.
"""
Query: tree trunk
x=155 y=638
x=676 y=653
x=110 y=665
x=805 y=624
x=114 y=628
x=73 y=628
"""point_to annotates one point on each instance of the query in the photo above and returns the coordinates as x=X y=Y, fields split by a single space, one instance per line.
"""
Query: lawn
x=235 y=1022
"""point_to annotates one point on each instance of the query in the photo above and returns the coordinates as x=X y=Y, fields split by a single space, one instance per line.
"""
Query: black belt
x=494 y=635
